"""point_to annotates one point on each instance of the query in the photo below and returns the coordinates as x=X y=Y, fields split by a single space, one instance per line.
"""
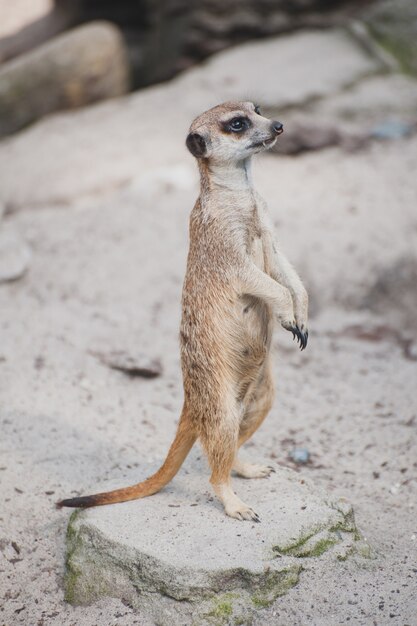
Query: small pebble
x=300 y=455
x=392 y=129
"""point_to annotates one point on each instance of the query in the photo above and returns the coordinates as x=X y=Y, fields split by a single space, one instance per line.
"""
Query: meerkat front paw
x=286 y=313
x=301 y=334
x=301 y=316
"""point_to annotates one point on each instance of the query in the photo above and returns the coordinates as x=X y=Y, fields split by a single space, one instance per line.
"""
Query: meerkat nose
x=277 y=127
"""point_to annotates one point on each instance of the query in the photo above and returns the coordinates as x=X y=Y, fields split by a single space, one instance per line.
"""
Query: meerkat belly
x=252 y=345
x=253 y=325
x=255 y=321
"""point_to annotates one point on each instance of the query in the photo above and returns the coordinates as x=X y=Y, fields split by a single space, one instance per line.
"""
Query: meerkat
x=238 y=284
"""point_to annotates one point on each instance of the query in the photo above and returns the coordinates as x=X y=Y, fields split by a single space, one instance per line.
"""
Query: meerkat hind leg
x=254 y=416
x=220 y=447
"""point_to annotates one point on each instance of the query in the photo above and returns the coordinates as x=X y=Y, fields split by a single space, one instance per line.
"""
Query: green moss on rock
x=223 y=606
x=321 y=539
x=72 y=573
x=267 y=595
x=393 y=24
x=225 y=609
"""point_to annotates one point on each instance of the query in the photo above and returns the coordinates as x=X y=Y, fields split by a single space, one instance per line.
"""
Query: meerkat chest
x=255 y=238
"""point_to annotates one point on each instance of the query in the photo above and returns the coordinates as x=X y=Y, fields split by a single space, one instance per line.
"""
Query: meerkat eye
x=239 y=124
x=257 y=110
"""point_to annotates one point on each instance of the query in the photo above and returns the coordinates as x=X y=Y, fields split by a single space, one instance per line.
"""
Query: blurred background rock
x=148 y=42
x=131 y=44
x=168 y=36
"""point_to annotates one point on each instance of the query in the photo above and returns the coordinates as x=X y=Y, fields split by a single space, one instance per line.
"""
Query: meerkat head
x=232 y=131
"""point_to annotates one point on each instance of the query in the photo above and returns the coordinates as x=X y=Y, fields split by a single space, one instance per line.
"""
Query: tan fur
x=237 y=285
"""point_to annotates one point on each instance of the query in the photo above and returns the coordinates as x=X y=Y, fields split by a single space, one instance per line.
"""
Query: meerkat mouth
x=266 y=143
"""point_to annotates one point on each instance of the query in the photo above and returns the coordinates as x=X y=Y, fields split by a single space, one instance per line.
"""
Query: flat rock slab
x=274 y=72
x=177 y=558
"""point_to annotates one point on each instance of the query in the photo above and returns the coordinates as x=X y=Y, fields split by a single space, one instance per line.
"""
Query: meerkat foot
x=233 y=506
x=252 y=470
x=242 y=512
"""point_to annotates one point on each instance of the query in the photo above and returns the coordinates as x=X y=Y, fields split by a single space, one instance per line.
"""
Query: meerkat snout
x=232 y=131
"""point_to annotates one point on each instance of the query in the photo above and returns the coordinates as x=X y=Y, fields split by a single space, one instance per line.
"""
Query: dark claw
x=302 y=337
x=298 y=335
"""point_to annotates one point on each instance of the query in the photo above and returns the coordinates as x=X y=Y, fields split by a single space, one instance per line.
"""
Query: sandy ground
x=106 y=272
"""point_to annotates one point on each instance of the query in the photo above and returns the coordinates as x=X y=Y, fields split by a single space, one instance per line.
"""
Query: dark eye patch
x=237 y=125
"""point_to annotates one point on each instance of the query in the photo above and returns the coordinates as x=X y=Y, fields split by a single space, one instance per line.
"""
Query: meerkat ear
x=197 y=145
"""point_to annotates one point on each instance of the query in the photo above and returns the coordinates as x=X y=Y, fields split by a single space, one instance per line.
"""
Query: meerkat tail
x=180 y=447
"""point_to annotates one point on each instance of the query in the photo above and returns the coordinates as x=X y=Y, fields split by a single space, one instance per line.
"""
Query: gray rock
x=367 y=104
x=167 y=36
x=282 y=76
x=79 y=67
x=176 y=557
x=14 y=255
x=393 y=23
x=301 y=135
x=214 y=25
